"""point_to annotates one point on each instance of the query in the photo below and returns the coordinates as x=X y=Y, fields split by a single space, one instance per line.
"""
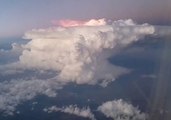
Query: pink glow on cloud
x=73 y=23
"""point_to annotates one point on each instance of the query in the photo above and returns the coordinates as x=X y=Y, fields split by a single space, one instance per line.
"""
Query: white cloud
x=80 y=54
x=72 y=109
x=121 y=110
x=15 y=92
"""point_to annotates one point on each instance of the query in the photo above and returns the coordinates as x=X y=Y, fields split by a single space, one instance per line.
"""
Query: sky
x=19 y=16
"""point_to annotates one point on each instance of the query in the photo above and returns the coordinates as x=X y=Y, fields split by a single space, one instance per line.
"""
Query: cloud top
x=74 y=23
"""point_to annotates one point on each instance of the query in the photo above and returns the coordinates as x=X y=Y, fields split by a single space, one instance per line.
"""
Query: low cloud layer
x=74 y=110
x=77 y=54
x=116 y=109
x=15 y=92
x=121 y=110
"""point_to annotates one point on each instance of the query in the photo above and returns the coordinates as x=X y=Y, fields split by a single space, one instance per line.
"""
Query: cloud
x=121 y=110
x=14 y=92
x=80 y=54
x=73 y=23
x=74 y=110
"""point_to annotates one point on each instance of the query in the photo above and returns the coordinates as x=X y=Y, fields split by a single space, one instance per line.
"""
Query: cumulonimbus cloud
x=80 y=54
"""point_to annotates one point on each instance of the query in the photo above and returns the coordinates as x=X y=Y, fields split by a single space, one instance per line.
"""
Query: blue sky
x=18 y=16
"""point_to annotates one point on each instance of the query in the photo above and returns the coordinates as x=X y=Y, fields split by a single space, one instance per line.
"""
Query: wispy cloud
x=74 y=110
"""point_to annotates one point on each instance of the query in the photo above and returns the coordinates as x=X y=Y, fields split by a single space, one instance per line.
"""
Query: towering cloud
x=81 y=53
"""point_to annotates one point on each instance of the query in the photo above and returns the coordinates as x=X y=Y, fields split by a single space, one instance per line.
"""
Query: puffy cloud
x=73 y=109
x=80 y=54
x=120 y=110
